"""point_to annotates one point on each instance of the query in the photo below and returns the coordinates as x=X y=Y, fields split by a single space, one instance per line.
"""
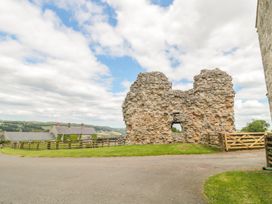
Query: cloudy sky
x=74 y=60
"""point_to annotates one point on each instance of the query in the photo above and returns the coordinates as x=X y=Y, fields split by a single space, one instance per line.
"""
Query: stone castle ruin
x=204 y=113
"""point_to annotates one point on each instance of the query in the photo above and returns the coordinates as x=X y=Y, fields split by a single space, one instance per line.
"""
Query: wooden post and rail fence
x=78 y=144
x=268 y=150
x=252 y=140
x=232 y=141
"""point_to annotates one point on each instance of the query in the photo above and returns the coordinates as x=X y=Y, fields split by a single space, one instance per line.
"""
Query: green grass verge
x=131 y=150
x=252 y=187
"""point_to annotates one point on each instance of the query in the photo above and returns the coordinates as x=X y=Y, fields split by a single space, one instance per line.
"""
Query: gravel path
x=159 y=179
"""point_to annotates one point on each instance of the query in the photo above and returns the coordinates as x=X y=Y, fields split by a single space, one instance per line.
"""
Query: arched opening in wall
x=177 y=127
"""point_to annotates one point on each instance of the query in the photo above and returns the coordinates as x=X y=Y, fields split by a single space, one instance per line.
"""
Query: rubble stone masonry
x=204 y=112
x=264 y=28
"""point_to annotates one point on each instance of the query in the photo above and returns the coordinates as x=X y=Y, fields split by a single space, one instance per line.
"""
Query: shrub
x=256 y=126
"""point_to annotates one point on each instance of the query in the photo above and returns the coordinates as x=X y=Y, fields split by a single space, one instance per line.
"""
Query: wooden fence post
x=80 y=144
x=226 y=143
x=22 y=145
x=266 y=150
x=48 y=144
x=94 y=143
x=38 y=145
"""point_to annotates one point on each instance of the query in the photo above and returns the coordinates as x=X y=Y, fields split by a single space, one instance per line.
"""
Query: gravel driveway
x=158 y=179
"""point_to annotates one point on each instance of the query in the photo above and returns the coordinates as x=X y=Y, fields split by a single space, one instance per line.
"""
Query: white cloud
x=249 y=110
x=207 y=34
x=48 y=72
x=179 y=40
x=182 y=86
x=126 y=84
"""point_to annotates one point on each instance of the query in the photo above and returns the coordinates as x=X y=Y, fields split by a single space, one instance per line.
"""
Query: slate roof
x=64 y=130
x=28 y=136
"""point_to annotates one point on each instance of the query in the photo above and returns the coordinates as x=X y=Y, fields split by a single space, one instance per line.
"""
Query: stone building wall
x=204 y=112
x=264 y=28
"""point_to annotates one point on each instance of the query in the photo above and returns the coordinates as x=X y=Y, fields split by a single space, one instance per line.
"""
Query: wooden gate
x=244 y=140
x=268 y=148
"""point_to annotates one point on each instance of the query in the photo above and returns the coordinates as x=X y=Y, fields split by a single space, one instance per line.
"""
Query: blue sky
x=122 y=67
x=73 y=61
x=4 y=35
x=66 y=16
x=163 y=3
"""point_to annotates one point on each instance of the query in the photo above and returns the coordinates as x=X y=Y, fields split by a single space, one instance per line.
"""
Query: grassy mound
x=240 y=187
x=130 y=150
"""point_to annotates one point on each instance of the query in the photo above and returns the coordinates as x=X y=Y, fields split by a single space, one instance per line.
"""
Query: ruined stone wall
x=145 y=110
x=264 y=27
x=151 y=107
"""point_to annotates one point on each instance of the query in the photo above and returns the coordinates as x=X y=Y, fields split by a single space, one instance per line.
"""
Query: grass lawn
x=131 y=150
x=240 y=187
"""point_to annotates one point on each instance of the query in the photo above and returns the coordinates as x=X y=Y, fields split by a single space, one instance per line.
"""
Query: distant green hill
x=33 y=126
